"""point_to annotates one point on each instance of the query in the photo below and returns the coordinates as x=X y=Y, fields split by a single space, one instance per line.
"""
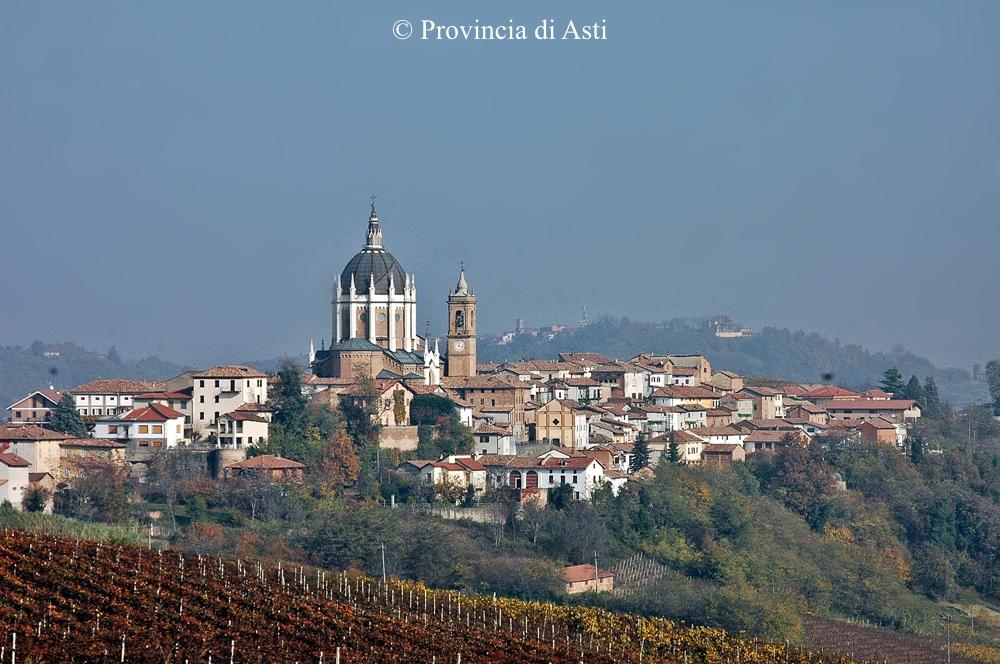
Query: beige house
x=456 y=472
x=495 y=390
x=727 y=381
x=77 y=452
x=38 y=445
x=563 y=422
x=222 y=390
x=268 y=467
x=392 y=400
x=722 y=454
x=768 y=403
x=898 y=410
x=240 y=429
x=36 y=408
x=587 y=578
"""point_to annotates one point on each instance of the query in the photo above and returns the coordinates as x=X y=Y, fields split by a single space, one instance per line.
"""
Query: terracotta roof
x=497 y=382
x=487 y=428
x=876 y=394
x=680 y=436
x=154 y=412
x=52 y=395
x=242 y=416
x=12 y=460
x=230 y=371
x=768 y=436
x=119 y=386
x=102 y=443
x=828 y=392
x=34 y=478
x=686 y=392
x=585 y=358
x=720 y=448
x=29 y=432
x=267 y=462
x=585 y=572
x=254 y=408
x=878 y=423
x=716 y=431
x=870 y=404
x=176 y=396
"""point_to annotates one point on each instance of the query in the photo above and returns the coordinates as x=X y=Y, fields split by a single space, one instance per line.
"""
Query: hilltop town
x=583 y=421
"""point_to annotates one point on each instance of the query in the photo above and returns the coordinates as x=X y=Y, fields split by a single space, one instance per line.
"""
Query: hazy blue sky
x=185 y=178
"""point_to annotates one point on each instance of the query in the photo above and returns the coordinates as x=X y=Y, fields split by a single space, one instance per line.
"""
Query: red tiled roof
x=29 y=432
x=483 y=427
x=686 y=392
x=242 y=416
x=175 y=396
x=828 y=392
x=720 y=448
x=155 y=412
x=585 y=572
x=119 y=386
x=229 y=371
x=254 y=408
x=267 y=462
x=870 y=404
x=12 y=460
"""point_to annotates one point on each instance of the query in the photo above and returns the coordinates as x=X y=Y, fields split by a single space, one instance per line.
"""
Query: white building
x=492 y=439
x=222 y=390
x=13 y=478
x=155 y=426
x=100 y=398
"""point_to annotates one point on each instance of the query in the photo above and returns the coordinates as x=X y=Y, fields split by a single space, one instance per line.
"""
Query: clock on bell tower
x=461 y=330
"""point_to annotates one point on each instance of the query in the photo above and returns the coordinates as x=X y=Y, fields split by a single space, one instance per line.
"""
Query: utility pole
x=383 y=563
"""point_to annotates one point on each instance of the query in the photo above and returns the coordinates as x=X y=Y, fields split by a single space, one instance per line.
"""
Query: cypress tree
x=914 y=391
x=674 y=449
x=640 y=454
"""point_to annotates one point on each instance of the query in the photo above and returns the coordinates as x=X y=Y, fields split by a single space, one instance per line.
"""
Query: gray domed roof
x=373 y=261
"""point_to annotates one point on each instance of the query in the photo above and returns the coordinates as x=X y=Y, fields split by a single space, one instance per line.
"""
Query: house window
x=216 y=383
x=201 y=383
x=112 y=429
x=201 y=399
x=143 y=428
x=201 y=415
x=216 y=398
x=157 y=428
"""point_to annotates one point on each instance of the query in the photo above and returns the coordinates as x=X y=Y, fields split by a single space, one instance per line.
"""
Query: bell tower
x=461 y=330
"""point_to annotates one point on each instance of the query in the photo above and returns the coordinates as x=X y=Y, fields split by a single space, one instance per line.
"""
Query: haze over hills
x=779 y=353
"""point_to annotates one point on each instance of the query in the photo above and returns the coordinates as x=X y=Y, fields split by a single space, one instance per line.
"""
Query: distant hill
x=797 y=356
x=64 y=365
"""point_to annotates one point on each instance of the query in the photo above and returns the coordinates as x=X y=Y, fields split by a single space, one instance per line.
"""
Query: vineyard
x=65 y=600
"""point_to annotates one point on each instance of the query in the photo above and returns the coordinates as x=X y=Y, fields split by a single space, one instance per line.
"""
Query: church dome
x=373 y=262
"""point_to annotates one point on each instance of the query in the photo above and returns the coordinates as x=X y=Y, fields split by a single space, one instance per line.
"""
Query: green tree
x=916 y=449
x=674 y=450
x=993 y=381
x=66 y=418
x=892 y=382
x=35 y=499
x=290 y=403
x=933 y=407
x=914 y=391
x=640 y=454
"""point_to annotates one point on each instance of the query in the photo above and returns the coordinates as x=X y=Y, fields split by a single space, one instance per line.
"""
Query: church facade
x=374 y=322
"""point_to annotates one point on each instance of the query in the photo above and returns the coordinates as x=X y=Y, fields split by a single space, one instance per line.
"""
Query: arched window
x=515 y=479
x=531 y=481
x=459 y=319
